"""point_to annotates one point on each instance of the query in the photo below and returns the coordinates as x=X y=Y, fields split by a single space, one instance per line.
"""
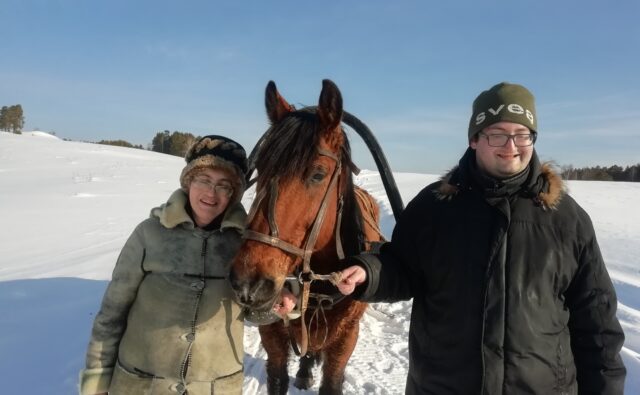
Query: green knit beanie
x=503 y=102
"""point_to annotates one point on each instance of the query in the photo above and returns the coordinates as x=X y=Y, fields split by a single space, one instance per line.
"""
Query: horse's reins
x=306 y=276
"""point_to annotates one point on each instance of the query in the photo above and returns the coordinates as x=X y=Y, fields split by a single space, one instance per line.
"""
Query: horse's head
x=301 y=174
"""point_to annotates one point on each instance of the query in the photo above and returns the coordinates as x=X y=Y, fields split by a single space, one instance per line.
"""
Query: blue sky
x=92 y=70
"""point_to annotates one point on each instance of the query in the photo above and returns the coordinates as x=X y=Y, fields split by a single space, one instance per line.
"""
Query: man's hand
x=351 y=277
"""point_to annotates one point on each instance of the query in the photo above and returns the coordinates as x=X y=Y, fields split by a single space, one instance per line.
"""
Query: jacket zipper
x=484 y=303
x=200 y=286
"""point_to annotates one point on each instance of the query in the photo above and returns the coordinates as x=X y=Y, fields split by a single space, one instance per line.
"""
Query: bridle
x=306 y=275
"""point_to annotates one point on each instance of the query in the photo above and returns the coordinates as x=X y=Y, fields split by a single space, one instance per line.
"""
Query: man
x=510 y=291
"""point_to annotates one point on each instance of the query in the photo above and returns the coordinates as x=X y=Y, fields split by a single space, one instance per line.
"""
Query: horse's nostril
x=245 y=299
x=241 y=288
x=269 y=285
x=263 y=290
x=255 y=292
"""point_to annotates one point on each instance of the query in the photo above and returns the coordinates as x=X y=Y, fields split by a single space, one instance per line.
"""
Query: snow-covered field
x=66 y=209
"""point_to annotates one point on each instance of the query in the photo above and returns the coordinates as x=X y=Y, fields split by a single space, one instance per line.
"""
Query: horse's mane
x=289 y=150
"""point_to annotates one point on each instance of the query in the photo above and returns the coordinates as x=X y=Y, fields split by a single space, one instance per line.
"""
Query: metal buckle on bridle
x=305 y=277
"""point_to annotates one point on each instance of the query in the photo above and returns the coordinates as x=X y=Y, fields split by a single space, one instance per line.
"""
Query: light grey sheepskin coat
x=168 y=322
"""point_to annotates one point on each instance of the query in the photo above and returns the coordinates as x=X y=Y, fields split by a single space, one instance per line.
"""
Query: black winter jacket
x=510 y=293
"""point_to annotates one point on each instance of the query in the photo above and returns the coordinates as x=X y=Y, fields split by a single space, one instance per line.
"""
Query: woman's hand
x=286 y=303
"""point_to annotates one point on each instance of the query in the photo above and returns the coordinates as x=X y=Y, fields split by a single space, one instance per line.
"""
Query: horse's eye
x=317 y=176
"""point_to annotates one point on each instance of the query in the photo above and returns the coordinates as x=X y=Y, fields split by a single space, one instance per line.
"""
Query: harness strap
x=273 y=198
x=306 y=267
x=319 y=308
x=273 y=239
x=339 y=248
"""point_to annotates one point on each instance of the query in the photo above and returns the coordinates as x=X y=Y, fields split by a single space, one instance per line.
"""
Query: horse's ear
x=277 y=106
x=330 y=105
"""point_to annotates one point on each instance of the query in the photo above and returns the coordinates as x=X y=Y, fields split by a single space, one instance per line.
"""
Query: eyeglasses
x=500 y=140
x=206 y=185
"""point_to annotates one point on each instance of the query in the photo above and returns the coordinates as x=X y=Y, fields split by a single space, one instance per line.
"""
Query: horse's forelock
x=290 y=147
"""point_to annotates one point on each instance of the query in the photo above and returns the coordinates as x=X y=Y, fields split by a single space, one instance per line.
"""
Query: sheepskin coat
x=168 y=323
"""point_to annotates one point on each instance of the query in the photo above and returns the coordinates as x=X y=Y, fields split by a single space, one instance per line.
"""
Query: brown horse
x=306 y=216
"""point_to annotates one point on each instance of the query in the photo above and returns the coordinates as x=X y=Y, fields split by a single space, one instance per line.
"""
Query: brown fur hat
x=216 y=152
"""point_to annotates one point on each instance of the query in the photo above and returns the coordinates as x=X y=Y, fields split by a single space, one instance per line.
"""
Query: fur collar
x=173 y=213
x=548 y=198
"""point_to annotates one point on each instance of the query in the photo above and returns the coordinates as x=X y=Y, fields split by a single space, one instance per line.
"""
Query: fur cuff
x=95 y=381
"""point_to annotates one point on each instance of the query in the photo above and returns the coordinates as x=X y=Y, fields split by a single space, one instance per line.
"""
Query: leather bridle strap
x=273 y=239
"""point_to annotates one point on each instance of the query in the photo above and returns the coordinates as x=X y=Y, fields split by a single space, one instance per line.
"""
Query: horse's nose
x=256 y=292
x=241 y=288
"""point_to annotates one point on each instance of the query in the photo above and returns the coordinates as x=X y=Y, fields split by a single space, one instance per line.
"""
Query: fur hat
x=216 y=152
x=503 y=102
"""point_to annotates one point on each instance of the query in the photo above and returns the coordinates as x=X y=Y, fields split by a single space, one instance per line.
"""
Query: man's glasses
x=500 y=140
x=206 y=185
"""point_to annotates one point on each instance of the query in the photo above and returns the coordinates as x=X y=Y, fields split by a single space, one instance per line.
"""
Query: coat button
x=199 y=285
x=177 y=387
x=188 y=337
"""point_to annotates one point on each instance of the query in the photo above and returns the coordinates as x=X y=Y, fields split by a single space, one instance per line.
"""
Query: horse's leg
x=275 y=341
x=335 y=358
x=304 y=377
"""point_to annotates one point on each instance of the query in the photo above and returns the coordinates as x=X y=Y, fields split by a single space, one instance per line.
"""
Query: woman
x=168 y=323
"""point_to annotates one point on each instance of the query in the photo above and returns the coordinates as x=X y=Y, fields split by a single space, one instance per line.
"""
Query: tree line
x=166 y=142
x=598 y=173
x=12 y=119
x=177 y=143
x=120 y=143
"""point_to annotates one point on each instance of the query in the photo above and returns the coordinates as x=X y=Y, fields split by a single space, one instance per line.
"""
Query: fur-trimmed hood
x=545 y=186
x=173 y=213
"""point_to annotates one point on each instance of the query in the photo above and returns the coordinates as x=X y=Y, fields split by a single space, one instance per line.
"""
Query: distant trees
x=597 y=173
x=12 y=119
x=176 y=143
x=120 y=143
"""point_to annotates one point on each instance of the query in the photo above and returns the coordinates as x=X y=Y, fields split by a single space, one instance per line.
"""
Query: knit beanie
x=216 y=152
x=503 y=102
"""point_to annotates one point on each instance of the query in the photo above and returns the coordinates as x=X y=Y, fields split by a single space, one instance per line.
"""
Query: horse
x=306 y=216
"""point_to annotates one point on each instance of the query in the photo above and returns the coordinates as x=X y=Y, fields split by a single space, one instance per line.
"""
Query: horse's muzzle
x=258 y=293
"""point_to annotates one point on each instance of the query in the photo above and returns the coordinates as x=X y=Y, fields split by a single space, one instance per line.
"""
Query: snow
x=66 y=209
x=38 y=133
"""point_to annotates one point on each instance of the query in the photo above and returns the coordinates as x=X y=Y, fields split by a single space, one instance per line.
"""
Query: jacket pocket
x=564 y=368
x=227 y=385
x=125 y=382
